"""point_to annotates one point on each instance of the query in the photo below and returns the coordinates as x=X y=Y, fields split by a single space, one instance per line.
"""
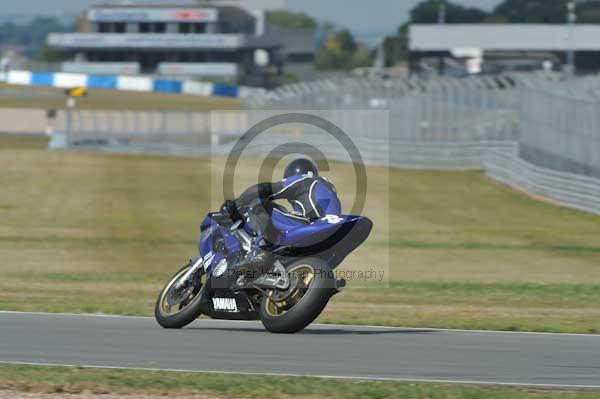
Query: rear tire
x=185 y=316
x=310 y=305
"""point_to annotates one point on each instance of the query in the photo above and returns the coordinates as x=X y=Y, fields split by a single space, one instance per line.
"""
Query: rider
x=310 y=196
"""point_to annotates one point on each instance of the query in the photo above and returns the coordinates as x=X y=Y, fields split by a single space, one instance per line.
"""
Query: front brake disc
x=176 y=296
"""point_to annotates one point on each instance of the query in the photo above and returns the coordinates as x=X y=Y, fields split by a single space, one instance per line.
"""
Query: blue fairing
x=209 y=230
x=313 y=233
x=331 y=237
x=326 y=200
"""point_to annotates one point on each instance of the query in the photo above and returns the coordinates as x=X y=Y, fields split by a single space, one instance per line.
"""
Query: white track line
x=374 y=378
x=338 y=377
x=318 y=324
x=74 y=314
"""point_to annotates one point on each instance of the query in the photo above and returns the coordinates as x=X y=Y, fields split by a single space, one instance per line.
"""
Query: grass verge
x=97 y=381
x=507 y=307
x=16 y=96
x=90 y=232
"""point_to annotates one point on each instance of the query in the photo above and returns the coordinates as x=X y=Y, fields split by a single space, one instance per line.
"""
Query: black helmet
x=300 y=166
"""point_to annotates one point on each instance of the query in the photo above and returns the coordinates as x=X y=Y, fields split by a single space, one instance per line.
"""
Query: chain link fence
x=560 y=127
x=434 y=123
x=539 y=132
x=542 y=121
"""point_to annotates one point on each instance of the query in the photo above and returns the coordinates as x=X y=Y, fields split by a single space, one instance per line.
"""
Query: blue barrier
x=168 y=86
x=101 y=82
x=42 y=79
x=224 y=90
x=142 y=83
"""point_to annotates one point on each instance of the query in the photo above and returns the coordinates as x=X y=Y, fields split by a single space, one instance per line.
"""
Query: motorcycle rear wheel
x=180 y=315
x=315 y=287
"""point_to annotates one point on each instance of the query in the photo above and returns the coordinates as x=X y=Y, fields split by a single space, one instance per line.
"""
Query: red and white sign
x=187 y=15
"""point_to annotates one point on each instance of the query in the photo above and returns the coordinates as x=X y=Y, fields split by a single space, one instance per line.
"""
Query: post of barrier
x=214 y=129
x=163 y=122
x=68 y=117
x=109 y=124
x=138 y=121
x=190 y=125
x=95 y=129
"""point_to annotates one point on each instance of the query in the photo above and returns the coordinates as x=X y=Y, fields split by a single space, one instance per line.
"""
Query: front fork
x=198 y=264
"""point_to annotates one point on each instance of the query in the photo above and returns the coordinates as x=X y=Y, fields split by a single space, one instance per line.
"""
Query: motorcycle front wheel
x=313 y=286
x=176 y=308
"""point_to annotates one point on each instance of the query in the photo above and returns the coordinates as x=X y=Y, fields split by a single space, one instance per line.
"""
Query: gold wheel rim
x=167 y=309
x=307 y=275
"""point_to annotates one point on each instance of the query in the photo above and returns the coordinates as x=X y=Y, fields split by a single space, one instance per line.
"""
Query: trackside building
x=205 y=40
x=506 y=43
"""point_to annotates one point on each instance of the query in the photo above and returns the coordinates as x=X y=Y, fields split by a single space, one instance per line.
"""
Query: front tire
x=178 y=316
x=316 y=286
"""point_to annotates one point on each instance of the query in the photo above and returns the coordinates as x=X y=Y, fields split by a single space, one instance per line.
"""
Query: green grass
x=23 y=142
x=17 y=96
x=91 y=232
x=76 y=380
x=498 y=306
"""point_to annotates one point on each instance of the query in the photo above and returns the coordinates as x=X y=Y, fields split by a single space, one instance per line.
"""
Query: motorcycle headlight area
x=220 y=268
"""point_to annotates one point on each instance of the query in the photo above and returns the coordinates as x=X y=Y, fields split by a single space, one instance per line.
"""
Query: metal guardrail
x=169 y=129
x=568 y=189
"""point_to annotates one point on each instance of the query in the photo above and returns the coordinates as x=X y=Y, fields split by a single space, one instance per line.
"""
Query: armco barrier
x=569 y=189
x=133 y=83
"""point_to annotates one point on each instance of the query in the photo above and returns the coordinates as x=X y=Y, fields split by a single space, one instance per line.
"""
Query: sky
x=368 y=20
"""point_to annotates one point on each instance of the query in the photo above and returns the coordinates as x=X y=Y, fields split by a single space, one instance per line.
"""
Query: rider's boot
x=254 y=264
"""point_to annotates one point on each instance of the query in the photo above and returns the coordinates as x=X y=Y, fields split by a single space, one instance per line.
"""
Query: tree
x=533 y=11
x=427 y=12
x=588 y=12
x=325 y=60
x=361 y=58
x=337 y=52
x=341 y=41
x=48 y=54
x=547 y=11
x=325 y=28
x=32 y=35
x=291 y=20
x=495 y=19
x=340 y=51
x=396 y=49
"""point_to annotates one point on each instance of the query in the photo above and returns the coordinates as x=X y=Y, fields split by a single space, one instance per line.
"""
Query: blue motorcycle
x=287 y=296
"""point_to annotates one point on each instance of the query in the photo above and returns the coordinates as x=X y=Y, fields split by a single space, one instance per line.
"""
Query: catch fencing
x=535 y=131
x=539 y=132
x=560 y=127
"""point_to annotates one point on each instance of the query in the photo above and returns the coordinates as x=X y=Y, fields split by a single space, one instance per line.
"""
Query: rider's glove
x=229 y=207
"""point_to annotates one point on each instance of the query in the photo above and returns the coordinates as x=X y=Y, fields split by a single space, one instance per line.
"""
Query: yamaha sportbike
x=286 y=296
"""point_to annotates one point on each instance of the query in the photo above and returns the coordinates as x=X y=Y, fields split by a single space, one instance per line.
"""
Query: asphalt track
x=553 y=360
